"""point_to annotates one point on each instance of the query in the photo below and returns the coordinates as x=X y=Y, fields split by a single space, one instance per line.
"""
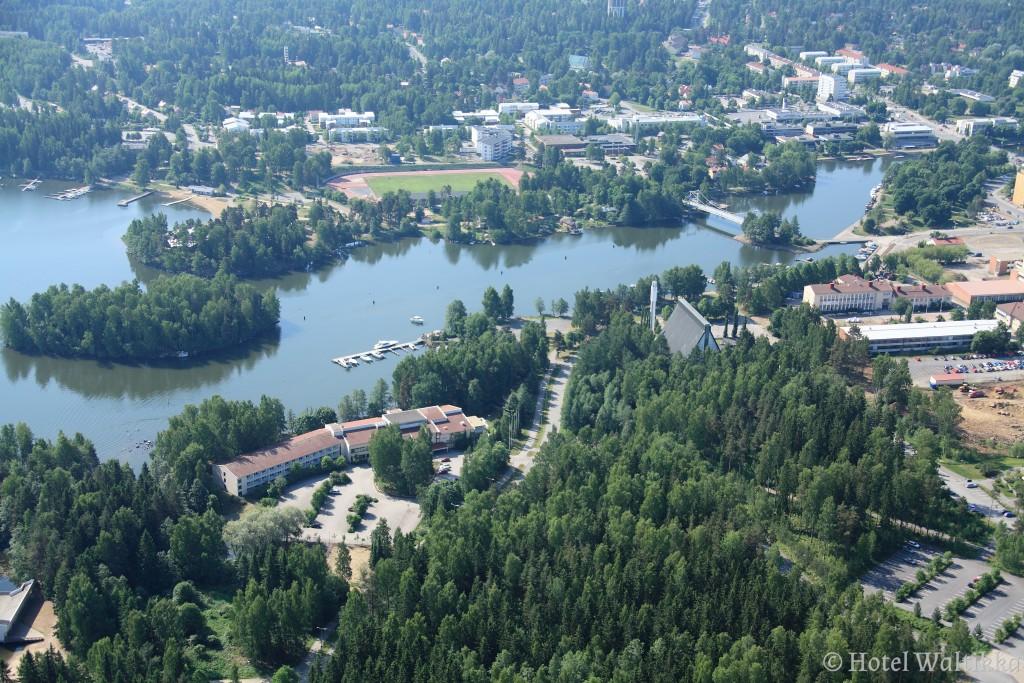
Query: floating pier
x=71 y=193
x=31 y=185
x=179 y=201
x=126 y=202
x=372 y=355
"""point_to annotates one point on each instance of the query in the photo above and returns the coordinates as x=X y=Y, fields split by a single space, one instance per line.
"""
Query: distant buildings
x=972 y=95
x=561 y=119
x=650 y=122
x=1016 y=76
x=812 y=54
x=999 y=291
x=891 y=69
x=492 y=143
x=345 y=118
x=862 y=75
x=517 y=108
x=233 y=124
x=350 y=440
x=686 y=330
x=832 y=88
x=909 y=134
x=617 y=8
x=918 y=337
x=488 y=117
x=971 y=126
x=850 y=293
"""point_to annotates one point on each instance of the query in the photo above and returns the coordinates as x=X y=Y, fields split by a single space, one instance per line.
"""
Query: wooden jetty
x=126 y=202
x=353 y=360
x=179 y=201
x=31 y=185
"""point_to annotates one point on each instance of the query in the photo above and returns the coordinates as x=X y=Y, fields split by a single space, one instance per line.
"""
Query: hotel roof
x=287 y=451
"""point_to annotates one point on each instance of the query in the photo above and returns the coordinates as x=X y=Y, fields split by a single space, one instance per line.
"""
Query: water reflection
x=105 y=379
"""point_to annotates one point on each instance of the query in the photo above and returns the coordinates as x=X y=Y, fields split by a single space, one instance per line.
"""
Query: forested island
x=259 y=242
x=174 y=316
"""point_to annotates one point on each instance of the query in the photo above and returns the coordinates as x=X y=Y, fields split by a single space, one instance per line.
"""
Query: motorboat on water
x=416 y=320
x=384 y=343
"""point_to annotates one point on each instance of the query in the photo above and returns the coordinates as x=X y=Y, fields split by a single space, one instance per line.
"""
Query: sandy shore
x=213 y=205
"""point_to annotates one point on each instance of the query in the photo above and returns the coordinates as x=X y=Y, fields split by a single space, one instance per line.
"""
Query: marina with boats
x=379 y=350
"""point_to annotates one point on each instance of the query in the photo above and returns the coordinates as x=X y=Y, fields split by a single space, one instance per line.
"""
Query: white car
x=971 y=484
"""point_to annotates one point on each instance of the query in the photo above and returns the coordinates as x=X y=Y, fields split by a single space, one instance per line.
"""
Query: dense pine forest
x=655 y=538
x=173 y=316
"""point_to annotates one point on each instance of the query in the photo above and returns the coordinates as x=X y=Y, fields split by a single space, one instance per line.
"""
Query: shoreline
x=212 y=205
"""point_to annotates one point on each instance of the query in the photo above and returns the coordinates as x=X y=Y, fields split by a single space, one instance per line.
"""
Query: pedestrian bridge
x=698 y=201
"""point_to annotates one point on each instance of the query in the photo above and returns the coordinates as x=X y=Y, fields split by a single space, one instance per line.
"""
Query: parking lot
x=401 y=513
x=922 y=367
x=976 y=496
x=990 y=611
x=901 y=567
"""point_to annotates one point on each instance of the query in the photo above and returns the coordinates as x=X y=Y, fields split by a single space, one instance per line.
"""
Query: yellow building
x=1018 y=189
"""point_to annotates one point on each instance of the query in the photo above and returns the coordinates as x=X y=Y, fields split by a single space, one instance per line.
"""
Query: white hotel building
x=350 y=440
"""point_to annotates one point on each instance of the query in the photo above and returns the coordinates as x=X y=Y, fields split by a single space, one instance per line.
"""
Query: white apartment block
x=972 y=126
x=1016 y=76
x=863 y=75
x=833 y=88
x=345 y=118
x=561 y=120
x=517 y=108
x=491 y=143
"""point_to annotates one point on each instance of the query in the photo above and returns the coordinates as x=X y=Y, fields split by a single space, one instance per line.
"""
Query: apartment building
x=492 y=143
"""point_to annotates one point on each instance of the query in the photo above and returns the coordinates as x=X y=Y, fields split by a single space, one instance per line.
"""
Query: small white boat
x=366 y=358
x=377 y=354
x=416 y=320
x=384 y=343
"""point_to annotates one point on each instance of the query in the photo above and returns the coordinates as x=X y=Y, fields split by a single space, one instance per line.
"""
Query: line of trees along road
x=179 y=314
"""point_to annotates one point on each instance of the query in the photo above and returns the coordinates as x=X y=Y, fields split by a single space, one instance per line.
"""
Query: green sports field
x=425 y=182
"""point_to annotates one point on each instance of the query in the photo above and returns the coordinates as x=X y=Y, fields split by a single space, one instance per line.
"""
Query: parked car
x=913 y=544
x=971 y=484
x=1008 y=514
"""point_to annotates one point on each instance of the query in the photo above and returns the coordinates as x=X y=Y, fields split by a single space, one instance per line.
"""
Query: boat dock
x=71 y=193
x=126 y=202
x=31 y=185
x=378 y=353
x=179 y=201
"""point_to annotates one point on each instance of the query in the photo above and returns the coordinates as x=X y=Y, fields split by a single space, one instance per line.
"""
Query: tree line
x=179 y=315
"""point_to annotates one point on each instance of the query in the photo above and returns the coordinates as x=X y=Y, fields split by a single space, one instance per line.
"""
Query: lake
x=337 y=311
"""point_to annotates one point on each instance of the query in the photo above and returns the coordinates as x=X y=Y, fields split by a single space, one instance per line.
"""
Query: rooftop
x=686 y=329
x=949 y=328
x=287 y=451
x=1014 y=310
x=12 y=601
x=987 y=287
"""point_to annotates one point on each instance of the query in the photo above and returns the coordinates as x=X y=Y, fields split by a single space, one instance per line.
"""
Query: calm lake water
x=337 y=311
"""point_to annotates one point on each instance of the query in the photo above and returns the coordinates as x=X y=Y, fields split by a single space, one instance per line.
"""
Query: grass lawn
x=217 y=660
x=459 y=182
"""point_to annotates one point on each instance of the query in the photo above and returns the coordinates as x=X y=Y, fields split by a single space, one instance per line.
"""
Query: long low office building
x=950 y=335
x=350 y=440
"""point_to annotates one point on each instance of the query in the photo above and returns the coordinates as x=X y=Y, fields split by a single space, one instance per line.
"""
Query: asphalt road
x=985 y=504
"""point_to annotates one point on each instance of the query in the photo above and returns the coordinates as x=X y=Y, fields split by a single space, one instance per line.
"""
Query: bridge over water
x=698 y=201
